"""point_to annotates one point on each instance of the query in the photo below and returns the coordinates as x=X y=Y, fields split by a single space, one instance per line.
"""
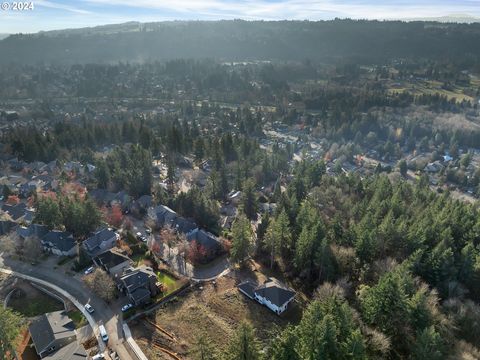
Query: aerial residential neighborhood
x=239 y=180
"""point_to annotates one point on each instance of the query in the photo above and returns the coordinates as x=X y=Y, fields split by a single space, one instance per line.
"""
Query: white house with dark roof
x=272 y=293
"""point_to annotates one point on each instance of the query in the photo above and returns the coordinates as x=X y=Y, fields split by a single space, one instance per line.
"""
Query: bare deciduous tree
x=101 y=284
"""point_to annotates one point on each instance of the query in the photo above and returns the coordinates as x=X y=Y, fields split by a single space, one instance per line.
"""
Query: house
x=123 y=199
x=51 y=332
x=7 y=226
x=208 y=241
x=434 y=167
x=73 y=166
x=102 y=196
x=60 y=243
x=142 y=204
x=27 y=189
x=140 y=285
x=36 y=230
x=164 y=216
x=100 y=241
x=18 y=212
x=272 y=293
x=113 y=262
x=72 y=351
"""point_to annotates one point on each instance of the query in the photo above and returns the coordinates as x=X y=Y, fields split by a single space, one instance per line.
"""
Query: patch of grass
x=168 y=281
x=77 y=317
x=38 y=304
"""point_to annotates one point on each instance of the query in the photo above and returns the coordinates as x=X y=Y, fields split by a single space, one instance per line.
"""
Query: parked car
x=139 y=235
x=89 y=308
x=143 y=238
x=148 y=231
x=114 y=355
x=126 y=307
x=89 y=270
x=103 y=333
x=98 y=357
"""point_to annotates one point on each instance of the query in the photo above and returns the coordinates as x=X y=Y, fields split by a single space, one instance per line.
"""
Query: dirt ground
x=212 y=309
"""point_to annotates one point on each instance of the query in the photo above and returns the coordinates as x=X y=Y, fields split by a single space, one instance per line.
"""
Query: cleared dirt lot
x=215 y=310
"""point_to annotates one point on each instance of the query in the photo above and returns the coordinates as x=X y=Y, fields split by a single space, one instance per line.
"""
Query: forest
x=238 y=40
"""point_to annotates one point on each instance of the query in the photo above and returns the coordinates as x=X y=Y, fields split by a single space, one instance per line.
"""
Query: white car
x=98 y=357
x=126 y=307
x=89 y=308
x=89 y=270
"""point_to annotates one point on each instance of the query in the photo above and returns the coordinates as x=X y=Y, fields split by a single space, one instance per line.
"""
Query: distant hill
x=236 y=40
x=453 y=18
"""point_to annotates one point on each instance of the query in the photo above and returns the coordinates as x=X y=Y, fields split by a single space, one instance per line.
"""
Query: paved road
x=103 y=313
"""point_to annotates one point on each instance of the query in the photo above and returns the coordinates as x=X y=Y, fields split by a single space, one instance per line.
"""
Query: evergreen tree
x=242 y=239
x=244 y=345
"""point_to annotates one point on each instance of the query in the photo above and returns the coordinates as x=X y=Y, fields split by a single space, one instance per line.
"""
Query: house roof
x=48 y=327
x=167 y=217
x=6 y=226
x=248 y=288
x=32 y=230
x=209 y=241
x=139 y=294
x=60 y=240
x=98 y=237
x=15 y=211
x=73 y=351
x=110 y=259
x=137 y=278
x=274 y=291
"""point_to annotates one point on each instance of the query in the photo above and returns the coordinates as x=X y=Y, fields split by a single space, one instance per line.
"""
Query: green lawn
x=38 y=304
x=169 y=281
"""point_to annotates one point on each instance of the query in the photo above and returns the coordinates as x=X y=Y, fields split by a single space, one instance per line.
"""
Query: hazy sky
x=59 y=14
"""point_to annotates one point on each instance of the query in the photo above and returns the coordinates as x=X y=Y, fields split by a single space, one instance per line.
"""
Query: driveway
x=74 y=286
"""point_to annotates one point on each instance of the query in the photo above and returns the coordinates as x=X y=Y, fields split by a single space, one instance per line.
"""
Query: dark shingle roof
x=45 y=328
x=139 y=294
x=15 y=211
x=110 y=259
x=275 y=292
x=32 y=230
x=248 y=288
x=73 y=351
x=60 y=240
x=209 y=241
x=137 y=278
x=97 y=238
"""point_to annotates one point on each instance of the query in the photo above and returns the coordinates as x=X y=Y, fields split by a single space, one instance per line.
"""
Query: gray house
x=100 y=241
x=113 y=262
x=51 y=332
x=72 y=351
x=59 y=243
x=140 y=285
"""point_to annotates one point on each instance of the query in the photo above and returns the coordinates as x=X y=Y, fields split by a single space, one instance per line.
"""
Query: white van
x=103 y=333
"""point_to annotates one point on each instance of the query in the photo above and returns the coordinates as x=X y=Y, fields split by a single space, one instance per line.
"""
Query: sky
x=61 y=14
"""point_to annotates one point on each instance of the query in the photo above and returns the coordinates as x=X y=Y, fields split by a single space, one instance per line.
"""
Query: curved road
x=103 y=313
